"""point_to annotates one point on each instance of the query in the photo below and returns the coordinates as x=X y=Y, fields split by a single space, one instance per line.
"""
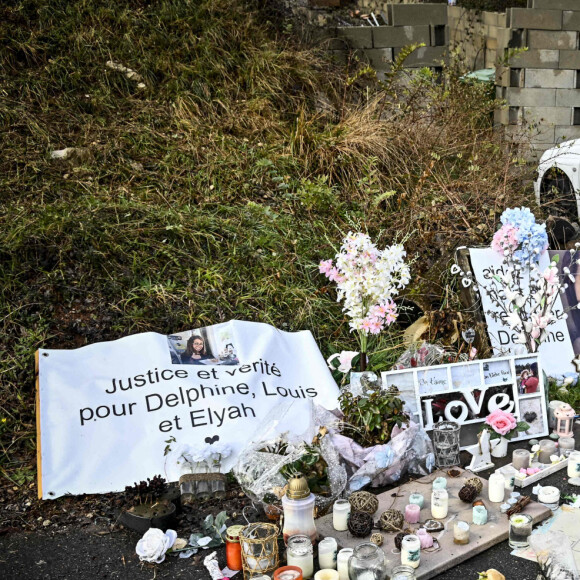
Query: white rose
x=153 y=545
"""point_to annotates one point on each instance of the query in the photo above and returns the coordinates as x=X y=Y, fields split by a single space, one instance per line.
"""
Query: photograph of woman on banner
x=195 y=351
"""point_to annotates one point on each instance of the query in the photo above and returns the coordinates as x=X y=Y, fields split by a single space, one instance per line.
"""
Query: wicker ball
x=363 y=501
x=467 y=493
x=377 y=539
x=391 y=521
x=399 y=539
x=475 y=482
x=360 y=524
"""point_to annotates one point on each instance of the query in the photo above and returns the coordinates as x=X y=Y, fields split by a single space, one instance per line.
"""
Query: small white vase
x=500 y=447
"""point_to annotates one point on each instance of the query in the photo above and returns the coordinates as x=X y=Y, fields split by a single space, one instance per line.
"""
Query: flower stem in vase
x=363 y=362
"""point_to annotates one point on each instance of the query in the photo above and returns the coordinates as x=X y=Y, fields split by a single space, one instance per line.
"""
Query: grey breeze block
x=536 y=19
x=550 y=78
x=399 y=36
x=553 y=39
x=415 y=14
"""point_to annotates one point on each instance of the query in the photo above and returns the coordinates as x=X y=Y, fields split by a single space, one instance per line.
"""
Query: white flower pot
x=500 y=447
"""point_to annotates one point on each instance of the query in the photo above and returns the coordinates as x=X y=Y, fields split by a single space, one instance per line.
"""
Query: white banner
x=107 y=411
x=556 y=352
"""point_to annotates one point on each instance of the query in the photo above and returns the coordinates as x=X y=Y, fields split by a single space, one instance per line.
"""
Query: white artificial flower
x=513 y=320
x=153 y=545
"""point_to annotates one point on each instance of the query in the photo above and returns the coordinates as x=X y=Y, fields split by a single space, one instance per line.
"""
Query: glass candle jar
x=549 y=496
x=403 y=573
x=547 y=448
x=411 y=551
x=233 y=548
x=342 y=563
x=340 y=513
x=520 y=530
x=521 y=459
x=566 y=445
x=417 y=498
x=446 y=443
x=327 y=550
x=259 y=543
x=496 y=487
x=574 y=464
x=439 y=504
x=461 y=533
x=412 y=513
x=367 y=563
x=300 y=553
x=288 y=573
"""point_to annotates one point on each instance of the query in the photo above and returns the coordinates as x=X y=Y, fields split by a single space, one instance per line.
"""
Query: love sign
x=467 y=392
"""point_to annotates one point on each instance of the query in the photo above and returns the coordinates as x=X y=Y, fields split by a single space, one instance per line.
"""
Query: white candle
x=439 y=504
x=326 y=575
x=574 y=464
x=304 y=561
x=461 y=533
x=327 y=549
x=549 y=496
x=340 y=513
x=496 y=489
x=411 y=550
x=342 y=563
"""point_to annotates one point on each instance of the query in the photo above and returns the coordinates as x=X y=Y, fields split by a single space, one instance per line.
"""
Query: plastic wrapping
x=409 y=450
x=258 y=467
x=426 y=354
x=555 y=556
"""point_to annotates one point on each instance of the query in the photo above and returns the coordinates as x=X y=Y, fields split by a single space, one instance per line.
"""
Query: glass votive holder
x=566 y=445
x=549 y=496
x=342 y=563
x=403 y=573
x=520 y=530
x=440 y=483
x=327 y=552
x=547 y=448
x=326 y=575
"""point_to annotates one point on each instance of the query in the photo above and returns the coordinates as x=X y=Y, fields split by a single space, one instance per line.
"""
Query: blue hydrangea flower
x=530 y=235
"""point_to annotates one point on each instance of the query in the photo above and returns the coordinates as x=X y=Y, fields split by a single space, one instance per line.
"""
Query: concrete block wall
x=407 y=24
x=542 y=85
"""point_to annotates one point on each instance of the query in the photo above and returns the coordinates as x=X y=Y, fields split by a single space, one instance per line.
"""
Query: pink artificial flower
x=501 y=422
x=325 y=266
x=550 y=275
x=505 y=238
x=333 y=274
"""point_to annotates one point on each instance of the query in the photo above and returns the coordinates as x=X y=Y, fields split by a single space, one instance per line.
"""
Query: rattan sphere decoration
x=467 y=493
x=474 y=482
x=399 y=539
x=363 y=501
x=377 y=539
x=360 y=524
x=391 y=521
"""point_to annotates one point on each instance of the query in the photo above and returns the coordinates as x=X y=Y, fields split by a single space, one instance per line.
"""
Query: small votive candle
x=496 y=487
x=549 y=496
x=342 y=563
x=418 y=499
x=479 y=515
x=411 y=551
x=547 y=448
x=412 y=513
x=461 y=533
x=515 y=494
x=521 y=459
x=425 y=538
x=566 y=445
x=504 y=507
x=327 y=550
x=326 y=575
x=340 y=513
x=574 y=464
x=288 y=573
x=440 y=483
x=439 y=503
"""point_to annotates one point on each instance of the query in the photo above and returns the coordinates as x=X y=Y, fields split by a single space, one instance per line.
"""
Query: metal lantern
x=564 y=420
x=446 y=443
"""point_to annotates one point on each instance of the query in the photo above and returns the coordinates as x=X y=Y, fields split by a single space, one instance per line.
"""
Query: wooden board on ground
x=450 y=554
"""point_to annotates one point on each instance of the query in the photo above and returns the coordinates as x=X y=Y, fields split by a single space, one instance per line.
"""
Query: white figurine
x=481 y=459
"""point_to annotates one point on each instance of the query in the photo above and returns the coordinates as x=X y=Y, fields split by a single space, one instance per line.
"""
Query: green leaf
x=522 y=426
x=497 y=278
x=556 y=258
